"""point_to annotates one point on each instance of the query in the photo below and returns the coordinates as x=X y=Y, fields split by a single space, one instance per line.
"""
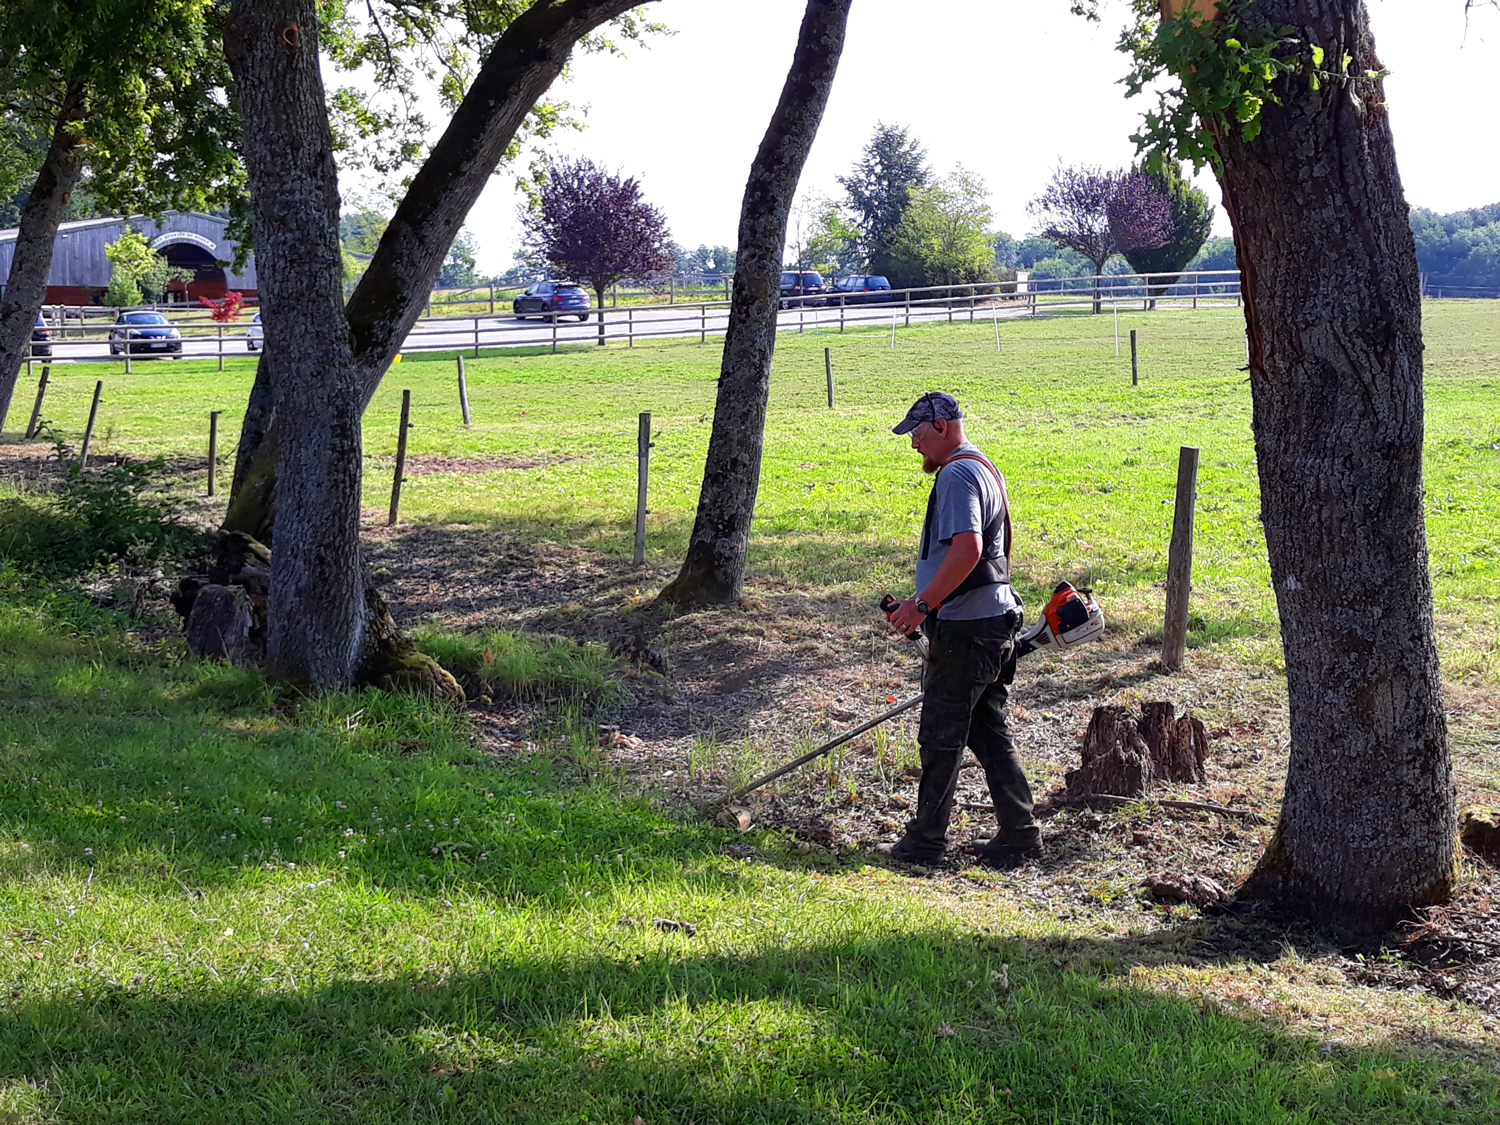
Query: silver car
x=254 y=338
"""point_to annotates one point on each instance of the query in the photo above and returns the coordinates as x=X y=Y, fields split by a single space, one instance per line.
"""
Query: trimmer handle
x=888 y=604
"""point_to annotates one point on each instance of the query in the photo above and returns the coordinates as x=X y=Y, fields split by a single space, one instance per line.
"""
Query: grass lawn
x=223 y=903
x=1091 y=460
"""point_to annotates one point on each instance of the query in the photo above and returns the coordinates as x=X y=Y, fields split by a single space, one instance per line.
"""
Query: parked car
x=798 y=286
x=41 y=338
x=144 y=333
x=552 y=299
x=255 y=334
x=859 y=289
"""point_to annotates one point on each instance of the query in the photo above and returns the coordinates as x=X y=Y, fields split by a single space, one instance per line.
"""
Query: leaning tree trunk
x=715 y=562
x=393 y=290
x=259 y=411
x=316 y=611
x=26 y=287
x=1367 y=827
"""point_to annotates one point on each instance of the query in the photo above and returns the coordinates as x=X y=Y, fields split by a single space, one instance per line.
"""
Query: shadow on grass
x=893 y=1027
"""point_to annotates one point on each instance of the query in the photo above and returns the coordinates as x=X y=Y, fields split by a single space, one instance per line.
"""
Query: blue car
x=144 y=333
x=552 y=299
x=41 y=338
x=860 y=289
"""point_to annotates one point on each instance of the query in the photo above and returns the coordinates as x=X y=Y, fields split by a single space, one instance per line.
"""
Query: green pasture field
x=1090 y=459
x=222 y=902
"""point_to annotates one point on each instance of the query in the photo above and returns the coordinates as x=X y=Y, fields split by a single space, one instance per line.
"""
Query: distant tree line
x=1461 y=248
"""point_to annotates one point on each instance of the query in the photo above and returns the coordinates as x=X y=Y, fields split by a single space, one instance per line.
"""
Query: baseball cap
x=929 y=408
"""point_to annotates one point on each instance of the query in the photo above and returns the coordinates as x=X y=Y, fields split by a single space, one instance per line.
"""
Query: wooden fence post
x=88 y=432
x=1180 y=560
x=221 y=355
x=630 y=326
x=476 y=337
x=828 y=371
x=213 y=449
x=554 y=335
x=492 y=300
x=463 y=391
x=36 y=411
x=400 y=457
x=702 y=324
x=1135 y=378
x=643 y=469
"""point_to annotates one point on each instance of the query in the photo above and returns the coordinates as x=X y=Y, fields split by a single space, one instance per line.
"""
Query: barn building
x=187 y=239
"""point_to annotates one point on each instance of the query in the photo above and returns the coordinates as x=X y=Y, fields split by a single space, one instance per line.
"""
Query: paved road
x=504 y=331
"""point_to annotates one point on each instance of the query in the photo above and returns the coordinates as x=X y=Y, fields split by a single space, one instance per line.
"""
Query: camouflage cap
x=929 y=408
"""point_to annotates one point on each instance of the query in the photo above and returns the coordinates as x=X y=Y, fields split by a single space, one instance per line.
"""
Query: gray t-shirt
x=967 y=497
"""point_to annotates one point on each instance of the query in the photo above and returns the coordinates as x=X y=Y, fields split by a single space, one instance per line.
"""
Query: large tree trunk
x=715 y=564
x=26 y=287
x=1368 y=828
x=259 y=411
x=393 y=291
x=316 y=611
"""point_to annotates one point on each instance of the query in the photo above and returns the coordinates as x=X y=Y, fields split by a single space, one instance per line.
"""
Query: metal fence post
x=643 y=469
x=908 y=309
x=221 y=355
x=630 y=326
x=1180 y=560
x=400 y=457
x=842 y=299
x=702 y=324
x=554 y=335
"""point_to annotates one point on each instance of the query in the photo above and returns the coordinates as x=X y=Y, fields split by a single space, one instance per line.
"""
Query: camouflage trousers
x=965 y=687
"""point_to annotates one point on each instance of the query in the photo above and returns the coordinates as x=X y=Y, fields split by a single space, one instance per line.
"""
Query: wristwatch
x=923 y=608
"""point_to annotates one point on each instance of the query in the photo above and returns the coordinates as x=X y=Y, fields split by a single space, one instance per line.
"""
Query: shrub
x=113 y=513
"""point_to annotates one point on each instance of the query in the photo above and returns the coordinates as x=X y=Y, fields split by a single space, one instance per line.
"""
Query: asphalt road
x=505 y=331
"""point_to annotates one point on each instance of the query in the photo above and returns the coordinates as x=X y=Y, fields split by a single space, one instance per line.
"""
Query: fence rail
x=82 y=333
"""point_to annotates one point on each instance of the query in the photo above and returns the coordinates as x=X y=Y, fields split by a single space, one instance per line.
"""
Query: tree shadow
x=887 y=1027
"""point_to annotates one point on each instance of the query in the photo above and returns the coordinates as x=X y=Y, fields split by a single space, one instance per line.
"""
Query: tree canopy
x=1192 y=217
x=877 y=190
x=596 y=226
x=1099 y=213
x=944 y=236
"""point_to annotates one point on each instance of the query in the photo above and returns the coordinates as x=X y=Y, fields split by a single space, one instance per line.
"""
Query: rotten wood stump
x=1124 y=755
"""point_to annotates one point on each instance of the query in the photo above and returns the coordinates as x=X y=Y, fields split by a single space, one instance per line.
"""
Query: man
x=971 y=615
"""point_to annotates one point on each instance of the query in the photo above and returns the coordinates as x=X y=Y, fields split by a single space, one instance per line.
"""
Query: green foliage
x=1226 y=69
x=117 y=512
x=944 y=236
x=360 y=231
x=122 y=291
x=1215 y=254
x=1192 y=219
x=461 y=268
x=892 y=166
x=138 y=270
x=1459 y=249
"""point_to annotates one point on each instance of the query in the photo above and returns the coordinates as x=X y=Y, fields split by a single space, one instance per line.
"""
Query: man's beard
x=930 y=465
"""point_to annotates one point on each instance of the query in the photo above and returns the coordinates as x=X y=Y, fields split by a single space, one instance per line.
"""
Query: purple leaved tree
x=1099 y=213
x=595 y=227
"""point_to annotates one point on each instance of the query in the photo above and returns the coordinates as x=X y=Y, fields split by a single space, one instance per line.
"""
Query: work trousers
x=964 y=689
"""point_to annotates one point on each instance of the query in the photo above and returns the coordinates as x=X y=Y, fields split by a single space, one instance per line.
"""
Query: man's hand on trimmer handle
x=904 y=616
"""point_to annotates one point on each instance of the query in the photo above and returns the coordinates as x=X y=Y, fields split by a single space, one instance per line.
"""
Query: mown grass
x=1091 y=459
x=225 y=903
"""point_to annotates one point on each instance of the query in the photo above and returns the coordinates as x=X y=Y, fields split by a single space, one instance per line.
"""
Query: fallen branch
x=1158 y=802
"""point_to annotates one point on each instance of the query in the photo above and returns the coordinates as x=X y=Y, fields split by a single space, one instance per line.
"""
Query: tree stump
x=1123 y=755
x=218 y=626
x=1116 y=760
x=1179 y=747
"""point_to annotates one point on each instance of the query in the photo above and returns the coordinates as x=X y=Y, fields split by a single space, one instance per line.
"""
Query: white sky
x=1008 y=89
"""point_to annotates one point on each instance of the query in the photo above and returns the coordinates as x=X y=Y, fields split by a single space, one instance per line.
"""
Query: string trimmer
x=1072 y=617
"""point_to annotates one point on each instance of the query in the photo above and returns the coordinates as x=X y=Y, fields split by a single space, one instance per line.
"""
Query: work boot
x=1009 y=849
x=907 y=850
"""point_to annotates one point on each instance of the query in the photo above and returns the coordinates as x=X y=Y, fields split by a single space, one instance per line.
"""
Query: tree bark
x=714 y=568
x=393 y=291
x=1368 y=825
x=26 y=287
x=259 y=411
x=316 y=611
